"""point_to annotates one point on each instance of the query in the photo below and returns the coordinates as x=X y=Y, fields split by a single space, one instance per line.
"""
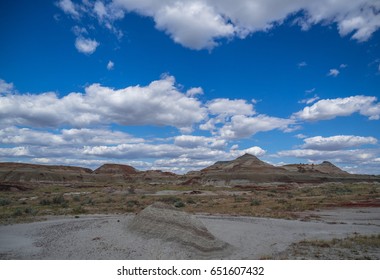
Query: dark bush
x=59 y=199
x=179 y=204
x=4 y=202
x=45 y=201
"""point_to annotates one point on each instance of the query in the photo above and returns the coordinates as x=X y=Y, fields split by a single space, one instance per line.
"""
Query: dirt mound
x=165 y=222
x=113 y=169
x=329 y=168
x=246 y=162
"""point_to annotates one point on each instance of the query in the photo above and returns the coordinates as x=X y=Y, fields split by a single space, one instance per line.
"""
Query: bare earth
x=108 y=236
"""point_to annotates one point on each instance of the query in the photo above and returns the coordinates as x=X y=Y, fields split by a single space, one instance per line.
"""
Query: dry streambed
x=111 y=237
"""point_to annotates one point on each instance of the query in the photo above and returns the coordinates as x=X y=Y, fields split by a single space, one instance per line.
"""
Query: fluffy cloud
x=342 y=156
x=244 y=126
x=190 y=141
x=194 y=24
x=65 y=137
x=97 y=137
x=337 y=142
x=333 y=72
x=26 y=136
x=86 y=46
x=144 y=150
x=160 y=103
x=194 y=91
x=228 y=107
x=69 y=8
x=5 y=87
x=199 y=24
x=15 y=152
x=256 y=151
x=110 y=65
x=327 y=109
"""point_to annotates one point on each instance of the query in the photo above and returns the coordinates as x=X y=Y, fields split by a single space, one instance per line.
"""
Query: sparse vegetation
x=59 y=199
x=353 y=247
x=17 y=212
x=264 y=202
x=131 y=203
x=179 y=204
x=255 y=202
x=45 y=201
x=4 y=202
x=30 y=211
x=78 y=210
x=88 y=201
x=190 y=201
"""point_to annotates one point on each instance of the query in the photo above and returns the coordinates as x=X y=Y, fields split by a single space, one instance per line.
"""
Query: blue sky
x=178 y=85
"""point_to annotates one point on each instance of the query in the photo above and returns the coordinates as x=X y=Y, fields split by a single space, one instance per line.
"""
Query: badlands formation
x=239 y=209
x=246 y=170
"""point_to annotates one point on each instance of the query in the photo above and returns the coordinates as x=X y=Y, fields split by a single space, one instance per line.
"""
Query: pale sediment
x=167 y=223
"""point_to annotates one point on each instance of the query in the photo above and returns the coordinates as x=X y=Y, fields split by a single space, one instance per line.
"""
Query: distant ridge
x=325 y=167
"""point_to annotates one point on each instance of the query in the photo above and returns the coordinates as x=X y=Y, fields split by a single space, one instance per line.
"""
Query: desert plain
x=239 y=209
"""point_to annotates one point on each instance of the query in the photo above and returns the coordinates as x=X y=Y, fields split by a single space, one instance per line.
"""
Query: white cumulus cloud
x=69 y=8
x=199 y=24
x=327 y=109
x=337 y=142
x=229 y=107
x=160 y=103
x=342 y=156
x=256 y=151
x=86 y=46
x=190 y=141
x=244 y=126
x=5 y=87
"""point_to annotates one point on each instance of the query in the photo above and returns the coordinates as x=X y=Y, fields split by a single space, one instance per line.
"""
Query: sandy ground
x=108 y=237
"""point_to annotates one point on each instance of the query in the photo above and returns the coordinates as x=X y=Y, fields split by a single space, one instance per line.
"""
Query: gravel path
x=108 y=236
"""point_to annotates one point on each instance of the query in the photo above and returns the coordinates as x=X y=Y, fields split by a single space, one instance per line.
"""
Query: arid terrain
x=241 y=209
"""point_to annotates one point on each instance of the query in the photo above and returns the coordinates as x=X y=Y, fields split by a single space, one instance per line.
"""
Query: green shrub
x=179 y=204
x=30 y=211
x=17 y=212
x=45 y=201
x=255 y=202
x=131 y=203
x=59 y=199
x=238 y=198
x=190 y=201
x=78 y=210
x=88 y=200
x=4 y=202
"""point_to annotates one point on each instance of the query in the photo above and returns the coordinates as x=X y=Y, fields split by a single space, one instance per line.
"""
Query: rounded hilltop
x=121 y=169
